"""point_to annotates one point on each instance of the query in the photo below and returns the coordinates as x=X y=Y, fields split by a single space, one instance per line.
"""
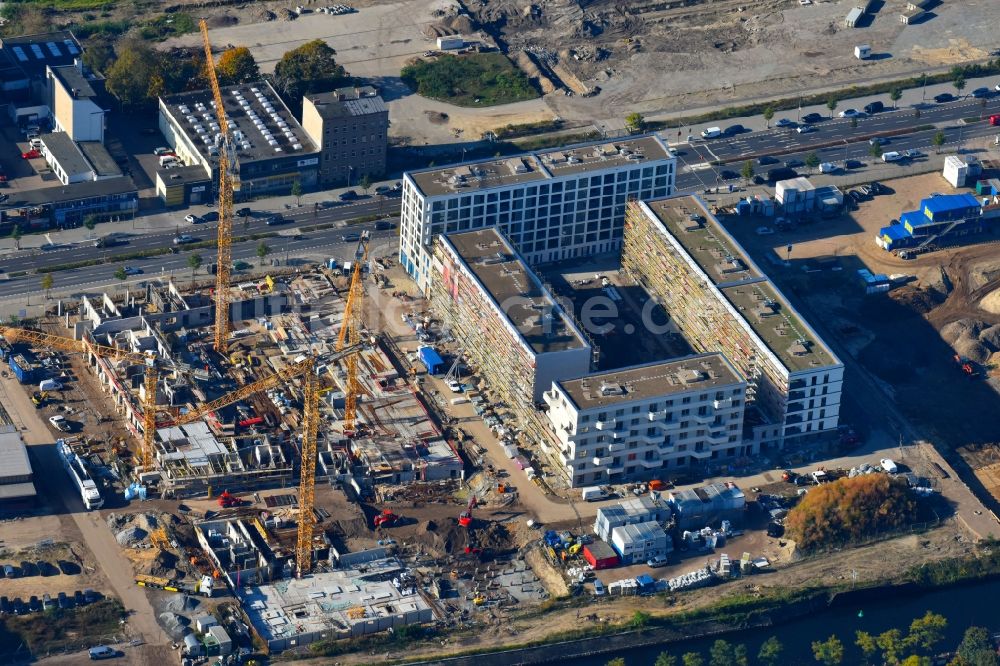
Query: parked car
x=47 y=568
x=31 y=154
x=850 y=113
x=210 y=216
x=892 y=156
x=889 y=465
x=764 y=160
x=47 y=602
x=455 y=386
x=599 y=589
x=59 y=422
x=794 y=163
x=90 y=596
x=5 y=607
x=827 y=167
x=764 y=231
x=162 y=150
x=34 y=604
x=349 y=195
x=19 y=607
x=191 y=218
x=102 y=652
x=733 y=130
x=243 y=212
x=728 y=174
x=10 y=571
x=784 y=122
x=853 y=164
x=68 y=568
x=876 y=187
x=980 y=93
x=805 y=129
x=944 y=97
x=812 y=118
x=874 y=107
x=65 y=602
x=781 y=173
x=383 y=225
x=711 y=132
x=658 y=561
x=383 y=189
x=79 y=599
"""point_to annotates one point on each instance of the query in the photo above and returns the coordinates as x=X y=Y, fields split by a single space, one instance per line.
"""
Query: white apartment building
x=636 y=422
x=552 y=205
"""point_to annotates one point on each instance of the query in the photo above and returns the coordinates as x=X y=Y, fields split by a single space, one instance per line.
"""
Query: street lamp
x=350 y=172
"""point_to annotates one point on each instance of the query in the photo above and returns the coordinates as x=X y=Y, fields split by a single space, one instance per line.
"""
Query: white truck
x=81 y=477
x=593 y=494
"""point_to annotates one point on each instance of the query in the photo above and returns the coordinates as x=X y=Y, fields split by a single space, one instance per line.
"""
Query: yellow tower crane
x=350 y=333
x=305 y=368
x=50 y=341
x=229 y=182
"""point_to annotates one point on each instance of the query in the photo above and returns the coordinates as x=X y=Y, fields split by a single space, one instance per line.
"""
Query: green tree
x=938 y=141
x=639 y=619
x=135 y=77
x=866 y=642
x=297 y=191
x=98 y=54
x=875 y=149
x=237 y=65
x=194 y=263
x=916 y=660
x=309 y=68
x=617 y=661
x=47 y=281
x=959 y=83
x=721 y=654
x=740 y=656
x=365 y=183
x=768 y=115
x=692 y=659
x=895 y=95
x=635 y=123
x=892 y=645
x=812 y=160
x=15 y=235
x=770 y=652
x=262 y=251
x=832 y=105
x=90 y=222
x=927 y=631
x=829 y=652
x=747 y=172
x=120 y=274
x=976 y=649
x=665 y=659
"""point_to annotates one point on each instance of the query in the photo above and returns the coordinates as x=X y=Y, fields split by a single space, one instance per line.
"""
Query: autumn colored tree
x=237 y=65
x=829 y=652
x=307 y=69
x=847 y=510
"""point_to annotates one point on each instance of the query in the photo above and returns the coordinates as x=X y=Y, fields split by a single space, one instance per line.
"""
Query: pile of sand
x=991 y=302
x=975 y=340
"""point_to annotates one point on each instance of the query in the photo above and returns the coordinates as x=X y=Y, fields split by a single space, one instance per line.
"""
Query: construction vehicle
x=203 y=587
x=966 y=366
x=228 y=501
x=39 y=398
x=229 y=184
x=385 y=519
x=465 y=518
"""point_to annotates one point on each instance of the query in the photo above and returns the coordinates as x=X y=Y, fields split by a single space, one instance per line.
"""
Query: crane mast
x=350 y=333
x=229 y=182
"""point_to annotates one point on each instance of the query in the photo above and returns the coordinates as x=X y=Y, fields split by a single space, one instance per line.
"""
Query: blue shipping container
x=430 y=358
x=22 y=369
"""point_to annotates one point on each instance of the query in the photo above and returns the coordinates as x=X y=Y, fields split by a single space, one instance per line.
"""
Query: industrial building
x=722 y=302
x=273 y=150
x=77 y=161
x=62 y=206
x=73 y=94
x=638 y=542
x=17 y=486
x=630 y=423
x=24 y=61
x=643 y=509
x=940 y=220
x=351 y=128
x=552 y=205
x=709 y=505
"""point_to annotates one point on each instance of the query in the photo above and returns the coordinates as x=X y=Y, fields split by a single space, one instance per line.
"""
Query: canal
x=963 y=606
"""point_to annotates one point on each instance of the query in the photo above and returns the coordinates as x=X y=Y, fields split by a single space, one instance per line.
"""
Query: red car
x=31 y=154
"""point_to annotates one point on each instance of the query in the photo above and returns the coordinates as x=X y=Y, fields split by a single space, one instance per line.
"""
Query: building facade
x=722 y=302
x=351 y=128
x=642 y=421
x=552 y=205
x=73 y=100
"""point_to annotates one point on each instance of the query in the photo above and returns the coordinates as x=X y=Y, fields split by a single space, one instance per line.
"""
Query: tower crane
x=306 y=368
x=350 y=333
x=229 y=183
x=151 y=377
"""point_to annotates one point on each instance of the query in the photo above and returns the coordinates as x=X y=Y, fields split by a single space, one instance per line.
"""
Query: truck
x=593 y=494
x=81 y=478
x=203 y=587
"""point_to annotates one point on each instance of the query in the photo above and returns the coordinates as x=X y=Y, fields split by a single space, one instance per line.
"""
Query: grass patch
x=527 y=129
x=476 y=79
x=58 y=629
x=168 y=25
x=543 y=142
x=67 y=5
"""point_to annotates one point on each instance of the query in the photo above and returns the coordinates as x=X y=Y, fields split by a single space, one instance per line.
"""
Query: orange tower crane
x=229 y=183
x=350 y=333
x=50 y=341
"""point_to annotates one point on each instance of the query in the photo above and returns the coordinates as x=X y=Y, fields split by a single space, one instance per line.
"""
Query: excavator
x=465 y=518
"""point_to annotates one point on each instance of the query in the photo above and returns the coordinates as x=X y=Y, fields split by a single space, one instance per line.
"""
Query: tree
x=891 y=644
x=927 y=631
x=120 y=274
x=692 y=659
x=47 y=281
x=365 y=183
x=721 y=654
x=194 y=263
x=297 y=191
x=237 y=65
x=875 y=149
x=916 y=660
x=829 y=652
x=135 y=74
x=740 y=657
x=976 y=649
x=895 y=95
x=867 y=643
x=938 y=141
x=15 y=235
x=959 y=83
x=849 y=509
x=832 y=105
x=98 y=54
x=770 y=652
x=747 y=172
x=307 y=69
x=635 y=123
x=617 y=661
x=639 y=619
x=768 y=114
x=665 y=659
x=262 y=251
x=90 y=222
x=812 y=160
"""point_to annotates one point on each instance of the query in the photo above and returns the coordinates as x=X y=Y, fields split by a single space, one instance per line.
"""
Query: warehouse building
x=73 y=92
x=633 y=511
x=24 y=60
x=639 y=542
x=273 y=150
x=635 y=422
x=77 y=161
x=351 y=128
x=552 y=205
x=708 y=506
x=17 y=488
x=722 y=302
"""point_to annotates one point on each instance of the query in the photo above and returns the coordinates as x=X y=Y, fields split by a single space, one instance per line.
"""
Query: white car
x=455 y=386
x=827 y=167
x=764 y=231
x=191 y=218
x=888 y=465
x=892 y=156
x=851 y=113
x=711 y=133
x=784 y=122
x=805 y=129
x=59 y=423
x=997 y=87
x=182 y=239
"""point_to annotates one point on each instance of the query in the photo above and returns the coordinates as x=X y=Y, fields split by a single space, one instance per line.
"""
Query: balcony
x=703 y=420
x=602 y=461
x=650 y=464
x=605 y=425
x=718 y=437
x=725 y=403
x=656 y=416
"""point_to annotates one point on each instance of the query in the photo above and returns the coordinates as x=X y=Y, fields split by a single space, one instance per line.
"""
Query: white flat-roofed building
x=648 y=420
x=639 y=542
x=552 y=205
x=629 y=512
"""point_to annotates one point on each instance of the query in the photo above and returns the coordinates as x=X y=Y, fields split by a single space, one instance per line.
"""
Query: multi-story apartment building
x=552 y=205
x=722 y=302
x=350 y=126
x=638 y=421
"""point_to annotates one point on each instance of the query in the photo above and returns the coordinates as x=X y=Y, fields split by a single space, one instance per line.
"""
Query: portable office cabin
x=600 y=555
x=430 y=358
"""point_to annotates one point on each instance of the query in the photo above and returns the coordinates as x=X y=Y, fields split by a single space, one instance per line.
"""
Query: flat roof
x=33 y=53
x=100 y=159
x=65 y=152
x=73 y=80
x=751 y=293
x=540 y=165
x=516 y=290
x=650 y=380
x=71 y=192
x=263 y=126
x=349 y=102
x=194 y=173
x=13 y=454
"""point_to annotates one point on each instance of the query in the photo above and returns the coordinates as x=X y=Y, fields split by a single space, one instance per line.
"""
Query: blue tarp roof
x=947 y=202
x=894 y=232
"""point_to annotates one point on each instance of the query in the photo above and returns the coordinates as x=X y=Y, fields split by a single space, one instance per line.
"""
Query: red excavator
x=966 y=366
x=465 y=518
x=385 y=519
x=227 y=501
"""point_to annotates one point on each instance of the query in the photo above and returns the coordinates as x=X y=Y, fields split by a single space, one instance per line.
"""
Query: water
x=963 y=606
